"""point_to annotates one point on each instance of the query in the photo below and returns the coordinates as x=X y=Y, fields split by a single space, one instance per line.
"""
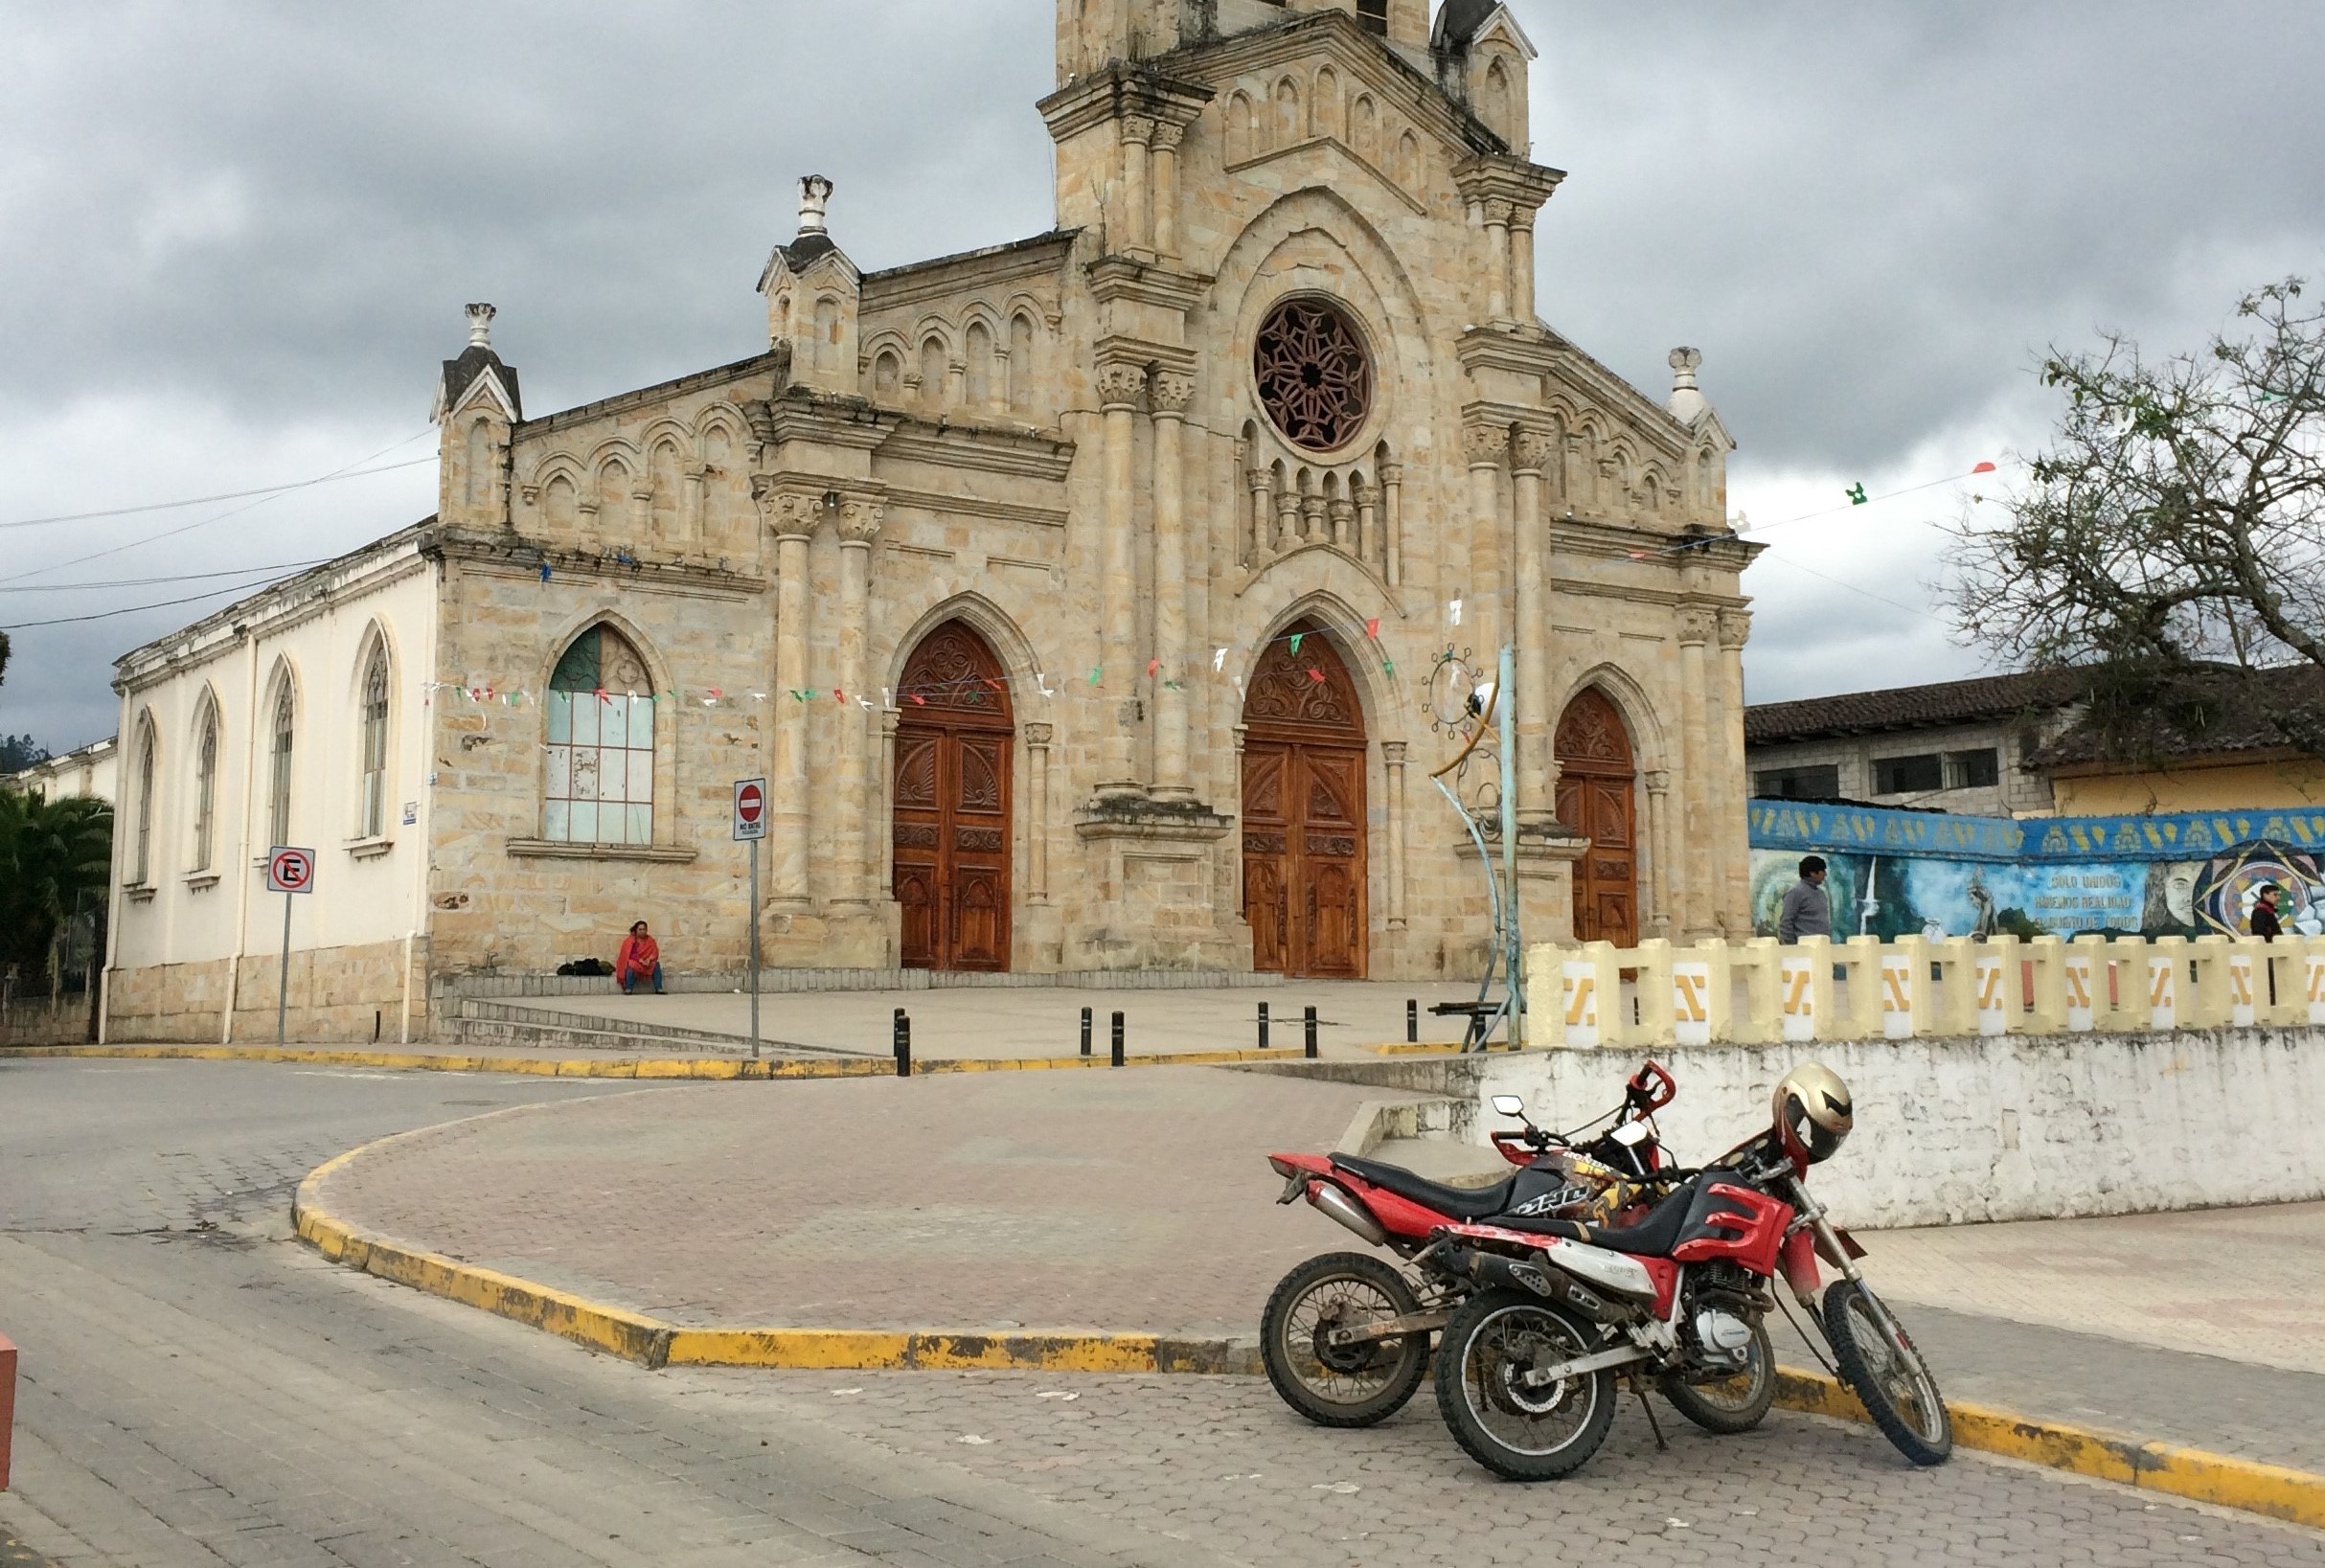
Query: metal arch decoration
x=1471 y=711
x=1314 y=373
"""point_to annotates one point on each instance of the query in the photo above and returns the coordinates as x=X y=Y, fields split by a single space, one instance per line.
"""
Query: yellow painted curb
x=2250 y=1486
x=2193 y=1473
x=681 y=1069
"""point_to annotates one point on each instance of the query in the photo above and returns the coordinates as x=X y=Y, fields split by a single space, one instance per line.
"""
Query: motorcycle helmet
x=1813 y=1112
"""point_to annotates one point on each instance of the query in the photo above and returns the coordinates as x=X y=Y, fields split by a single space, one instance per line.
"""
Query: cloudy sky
x=235 y=241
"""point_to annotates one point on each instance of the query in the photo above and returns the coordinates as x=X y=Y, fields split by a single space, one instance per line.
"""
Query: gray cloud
x=234 y=242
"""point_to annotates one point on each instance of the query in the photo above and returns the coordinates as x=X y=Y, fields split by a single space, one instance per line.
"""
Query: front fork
x=1834 y=1250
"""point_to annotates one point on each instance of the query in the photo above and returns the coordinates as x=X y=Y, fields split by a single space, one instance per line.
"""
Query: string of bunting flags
x=489 y=694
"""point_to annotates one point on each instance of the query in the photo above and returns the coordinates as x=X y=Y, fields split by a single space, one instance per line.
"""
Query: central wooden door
x=951 y=837
x=1304 y=832
x=1597 y=788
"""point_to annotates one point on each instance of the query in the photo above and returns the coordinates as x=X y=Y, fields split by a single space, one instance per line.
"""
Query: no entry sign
x=750 y=808
x=290 y=871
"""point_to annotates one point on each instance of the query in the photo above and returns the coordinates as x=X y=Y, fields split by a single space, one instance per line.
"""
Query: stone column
x=690 y=504
x=1486 y=445
x=791 y=517
x=1263 y=514
x=1497 y=261
x=1392 y=522
x=1171 y=392
x=1343 y=513
x=1522 y=266
x=1311 y=517
x=1038 y=814
x=1392 y=763
x=1118 y=388
x=1368 y=519
x=884 y=856
x=1735 y=831
x=1288 y=516
x=1240 y=732
x=1166 y=187
x=1537 y=802
x=1137 y=131
x=1696 y=764
x=859 y=527
x=1669 y=874
x=996 y=379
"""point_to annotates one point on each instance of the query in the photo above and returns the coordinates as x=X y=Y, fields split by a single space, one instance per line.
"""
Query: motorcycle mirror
x=1508 y=1104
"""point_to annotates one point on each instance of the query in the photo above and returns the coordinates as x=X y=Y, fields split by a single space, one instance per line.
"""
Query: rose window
x=1315 y=379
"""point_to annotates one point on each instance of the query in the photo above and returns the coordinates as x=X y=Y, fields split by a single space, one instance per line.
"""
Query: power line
x=230 y=495
x=132 y=609
x=175 y=577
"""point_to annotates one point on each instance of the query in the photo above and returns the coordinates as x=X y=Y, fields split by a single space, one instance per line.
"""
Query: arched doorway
x=1303 y=847
x=953 y=747
x=1597 y=786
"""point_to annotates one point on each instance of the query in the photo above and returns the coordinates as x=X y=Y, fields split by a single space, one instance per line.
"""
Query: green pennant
x=1856 y=494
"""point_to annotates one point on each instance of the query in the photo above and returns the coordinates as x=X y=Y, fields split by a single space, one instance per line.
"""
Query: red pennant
x=1316 y=675
x=1983 y=468
x=602 y=696
x=1152 y=665
x=839 y=696
x=917 y=698
x=1372 y=628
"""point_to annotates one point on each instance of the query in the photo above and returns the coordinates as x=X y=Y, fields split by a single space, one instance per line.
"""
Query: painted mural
x=1904 y=873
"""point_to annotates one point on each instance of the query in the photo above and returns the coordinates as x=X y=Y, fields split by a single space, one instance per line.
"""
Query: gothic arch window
x=613 y=492
x=205 y=785
x=1408 y=162
x=827 y=333
x=600 y=711
x=1328 y=102
x=148 y=758
x=1022 y=370
x=887 y=376
x=561 y=504
x=371 y=820
x=1493 y=102
x=1364 y=128
x=666 y=467
x=282 y=736
x=980 y=364
x=932 y=371
x=1243 y=129
x=478 y=461
x=1286 y=129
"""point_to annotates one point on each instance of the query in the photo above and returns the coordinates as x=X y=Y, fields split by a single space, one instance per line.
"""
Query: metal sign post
x=1513 y=962
x=750 y=827
x=290 y=872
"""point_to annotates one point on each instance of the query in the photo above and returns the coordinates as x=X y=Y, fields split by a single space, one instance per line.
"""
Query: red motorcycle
x=1526 y=1371
x=1345 y=1337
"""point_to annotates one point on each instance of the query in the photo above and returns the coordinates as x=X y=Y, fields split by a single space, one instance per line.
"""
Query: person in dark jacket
x=2266 y=924
x=1807 y=909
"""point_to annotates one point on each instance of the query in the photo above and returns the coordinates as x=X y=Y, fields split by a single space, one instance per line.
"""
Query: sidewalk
x=1071 y=1201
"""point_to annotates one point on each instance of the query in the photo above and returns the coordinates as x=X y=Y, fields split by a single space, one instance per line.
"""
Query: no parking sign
x=290 y=871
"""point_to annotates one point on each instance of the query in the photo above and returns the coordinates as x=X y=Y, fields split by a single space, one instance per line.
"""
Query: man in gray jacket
x=1807 y=909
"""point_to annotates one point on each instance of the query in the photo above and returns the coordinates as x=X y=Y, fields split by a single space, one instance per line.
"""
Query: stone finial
x=1687 y=401
x=814 y=199
x=479 y=326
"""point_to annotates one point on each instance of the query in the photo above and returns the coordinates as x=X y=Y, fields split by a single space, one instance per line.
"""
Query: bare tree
x=2172 y=538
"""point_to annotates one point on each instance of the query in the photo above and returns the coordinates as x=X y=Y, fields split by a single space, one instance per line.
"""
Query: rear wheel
x=1511 y=1425
x=1731 y=1404
x=1341 y=1385
x=1879 y=1362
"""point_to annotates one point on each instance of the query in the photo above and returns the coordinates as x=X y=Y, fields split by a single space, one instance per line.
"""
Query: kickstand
x=1653 y=1425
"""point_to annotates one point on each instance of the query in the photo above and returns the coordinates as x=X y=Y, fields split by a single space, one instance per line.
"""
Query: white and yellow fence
x=1761 y=991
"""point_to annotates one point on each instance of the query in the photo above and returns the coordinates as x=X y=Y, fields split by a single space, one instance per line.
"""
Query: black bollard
x=1308 y=1023
x=1262 y=1026
x=1412 y=1021
x=1085 y=1032
x=904 y=1043
x=1118 y=1039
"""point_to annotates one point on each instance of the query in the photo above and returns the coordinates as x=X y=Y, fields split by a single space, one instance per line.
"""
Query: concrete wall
x=2193 y=787
x=1967 y=1129
x=2017 y=792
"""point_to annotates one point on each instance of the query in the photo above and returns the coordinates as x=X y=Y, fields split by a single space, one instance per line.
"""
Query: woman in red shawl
x=639 y=960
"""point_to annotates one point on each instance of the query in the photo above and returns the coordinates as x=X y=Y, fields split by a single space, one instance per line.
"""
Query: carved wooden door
x=951 y=835
x=1304 y=829
x=1597 y=790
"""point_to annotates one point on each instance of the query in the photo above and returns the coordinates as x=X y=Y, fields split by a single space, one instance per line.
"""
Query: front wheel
x=1877 y=1361
x=1511 y=1424
x=1735 y=1403
x=1341 y=1385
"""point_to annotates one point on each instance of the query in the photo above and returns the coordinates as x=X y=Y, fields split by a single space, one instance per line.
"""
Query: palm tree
x=51 y=853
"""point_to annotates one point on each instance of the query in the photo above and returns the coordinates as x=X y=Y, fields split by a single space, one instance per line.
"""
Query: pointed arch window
x=373 y=820
x=601 y=785
x=278 y=765
x=205 y=787
x=147 y=758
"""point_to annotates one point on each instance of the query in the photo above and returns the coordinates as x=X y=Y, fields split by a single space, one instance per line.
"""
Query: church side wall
x=189 y=941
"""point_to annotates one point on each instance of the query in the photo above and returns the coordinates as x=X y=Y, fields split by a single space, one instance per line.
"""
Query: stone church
x=1085 y=598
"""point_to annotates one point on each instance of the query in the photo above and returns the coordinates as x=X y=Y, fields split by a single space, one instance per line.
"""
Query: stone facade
x=1065 y=447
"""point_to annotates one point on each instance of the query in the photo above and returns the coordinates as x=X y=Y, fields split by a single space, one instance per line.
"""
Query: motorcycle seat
x=1460 y=1202
x=1653 y=1236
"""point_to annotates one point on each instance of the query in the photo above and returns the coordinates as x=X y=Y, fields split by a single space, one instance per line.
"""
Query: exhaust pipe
x=1493 y=1270
x=1337 y=1203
